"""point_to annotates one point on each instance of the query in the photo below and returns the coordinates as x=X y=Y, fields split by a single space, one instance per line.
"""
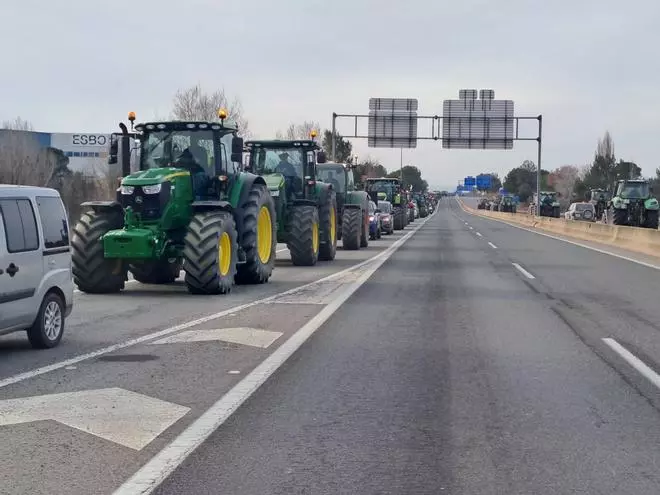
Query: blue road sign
x=484 y=182
x=469 y=182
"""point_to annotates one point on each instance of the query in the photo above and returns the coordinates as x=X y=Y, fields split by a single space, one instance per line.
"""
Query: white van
x=36 y=284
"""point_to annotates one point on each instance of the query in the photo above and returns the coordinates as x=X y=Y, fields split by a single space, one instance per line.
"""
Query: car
x=386 y=217
x=36 y=281
x=375 y=224
x=581 y=211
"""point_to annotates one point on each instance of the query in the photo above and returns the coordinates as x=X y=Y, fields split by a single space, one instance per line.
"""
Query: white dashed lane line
x=523 y=271
x=479 y=234
x=492 y=245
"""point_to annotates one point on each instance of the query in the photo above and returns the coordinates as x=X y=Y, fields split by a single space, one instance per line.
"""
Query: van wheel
x=47 y=330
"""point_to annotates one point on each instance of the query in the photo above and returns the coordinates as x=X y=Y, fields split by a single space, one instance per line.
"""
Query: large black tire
x=202 y=251
x=258 y=209
x=364 y=239
x=351 y=228
x=398 y=218
x=651 y=219
x=302 y=227
x=156 y=272
x=328 y=219
x=619 y=216
x=556 y=211
x=92 y=272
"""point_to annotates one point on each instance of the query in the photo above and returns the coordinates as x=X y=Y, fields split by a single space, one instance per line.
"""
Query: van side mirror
x=320 y=157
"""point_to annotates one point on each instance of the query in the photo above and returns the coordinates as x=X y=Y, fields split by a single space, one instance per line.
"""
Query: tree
x=370 y=167
x=196 y=104
x=564 y=179
x=412 y=176
x=299 y=131
x=344 y=148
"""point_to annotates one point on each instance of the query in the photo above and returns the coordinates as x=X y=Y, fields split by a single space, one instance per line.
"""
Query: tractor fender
x=211 y=205
x=99 y=206
x=246 y=182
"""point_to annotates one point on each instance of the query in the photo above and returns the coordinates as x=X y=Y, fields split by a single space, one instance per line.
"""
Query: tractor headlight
x=154 y=189
x=127 y=190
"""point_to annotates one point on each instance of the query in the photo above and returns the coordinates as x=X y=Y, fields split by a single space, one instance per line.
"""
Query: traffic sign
x=470 y=123
x=484 y=182
x=469 y=182
x=392 y=123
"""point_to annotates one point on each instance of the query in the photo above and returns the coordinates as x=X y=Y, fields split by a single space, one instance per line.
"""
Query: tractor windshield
x=381 y=186
x=285 y=161
x=634 y=190
x=333 y=175
x=191 y=149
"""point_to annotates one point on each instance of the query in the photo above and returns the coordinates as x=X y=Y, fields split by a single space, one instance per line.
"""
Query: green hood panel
x=274 y=181
x=153 y=176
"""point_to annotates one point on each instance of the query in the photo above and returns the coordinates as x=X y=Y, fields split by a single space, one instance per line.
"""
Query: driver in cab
x=196 y=160
x=286 y=168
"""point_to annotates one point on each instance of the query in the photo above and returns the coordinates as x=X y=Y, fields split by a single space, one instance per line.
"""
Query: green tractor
x=600 y=198
x=421 y=204
x=508 y=204
x=306 y=208
x=352 y=205
x=549 y=205
x=187 y=207
x=392 y=189
x=633 y=204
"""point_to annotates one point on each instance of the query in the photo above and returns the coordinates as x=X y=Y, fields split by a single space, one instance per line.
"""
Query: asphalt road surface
x=461 y=356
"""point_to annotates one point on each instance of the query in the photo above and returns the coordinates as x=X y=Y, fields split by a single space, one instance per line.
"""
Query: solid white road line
x=183 y=326
x=492 y=245
x=479 y=234
x=167 y=460
x=523 y=271
x=601 y=251
x=634 y=361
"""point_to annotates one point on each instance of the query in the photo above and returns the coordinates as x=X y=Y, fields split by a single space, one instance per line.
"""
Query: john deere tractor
x=188 y=206
x=600 y=198
x=634 y=205
x=507 y=204
x=392 y=189
x=352 y=205
x=549 y=206
x=306 y=209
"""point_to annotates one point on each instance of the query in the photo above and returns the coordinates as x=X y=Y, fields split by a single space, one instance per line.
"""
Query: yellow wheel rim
x=333 y=225
x=315 y=237
x=224 y=254
x=264 y=234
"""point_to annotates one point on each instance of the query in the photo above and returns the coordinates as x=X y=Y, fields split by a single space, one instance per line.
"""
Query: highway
x=461 y=356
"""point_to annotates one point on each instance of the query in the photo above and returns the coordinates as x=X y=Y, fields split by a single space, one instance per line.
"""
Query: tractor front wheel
x=210 y=252
x=398 y=218
x=651 y=219
x=304 y=238
x=156 y=272
x=92 y=272
x=259 y=237
x=350 y=226
x=328 y=218
x=619 y=216
x=364 y=240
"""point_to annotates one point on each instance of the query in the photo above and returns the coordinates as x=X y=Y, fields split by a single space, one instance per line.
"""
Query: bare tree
x=22 y=158
x=18 y=124
x=299 y=131
x=196 y=104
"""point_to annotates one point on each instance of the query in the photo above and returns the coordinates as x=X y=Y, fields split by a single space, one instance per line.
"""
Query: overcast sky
x=587 y=65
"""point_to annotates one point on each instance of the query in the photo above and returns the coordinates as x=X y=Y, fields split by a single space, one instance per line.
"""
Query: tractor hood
x=274 y=182
x=153 y=176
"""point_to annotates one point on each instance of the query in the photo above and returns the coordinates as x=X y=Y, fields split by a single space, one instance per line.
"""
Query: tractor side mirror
x=320 y=157
x=237 y=149
x=113 y=151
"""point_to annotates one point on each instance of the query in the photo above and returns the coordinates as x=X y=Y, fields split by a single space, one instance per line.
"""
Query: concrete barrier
x=645 y=241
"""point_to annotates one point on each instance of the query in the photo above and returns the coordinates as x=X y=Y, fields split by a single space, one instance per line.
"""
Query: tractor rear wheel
x=619 y=216
x=304 y=235
x=259 y=237
x=556 y=211
x=92 y=272
x=328 y=219
x=350 y=226
x=156 y=272
x=651 y=219
x=364 y=240
x=398 y=218
x=210 y=252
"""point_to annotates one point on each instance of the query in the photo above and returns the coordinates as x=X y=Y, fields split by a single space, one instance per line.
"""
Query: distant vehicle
x=375 y=224
x=581 y=211
x=633 y=204
x=387 y=219
x=484 y=204
x=36 y=284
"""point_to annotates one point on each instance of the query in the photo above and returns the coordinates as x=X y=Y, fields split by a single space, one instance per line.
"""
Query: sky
x=587 y=66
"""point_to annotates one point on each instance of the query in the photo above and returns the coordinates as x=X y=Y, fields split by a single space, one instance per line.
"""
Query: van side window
x=20 y=225
x=53 y=222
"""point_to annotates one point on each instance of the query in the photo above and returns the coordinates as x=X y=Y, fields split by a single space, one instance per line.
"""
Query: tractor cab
x=633 y=189
x=389 y=186
x=289 y=167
